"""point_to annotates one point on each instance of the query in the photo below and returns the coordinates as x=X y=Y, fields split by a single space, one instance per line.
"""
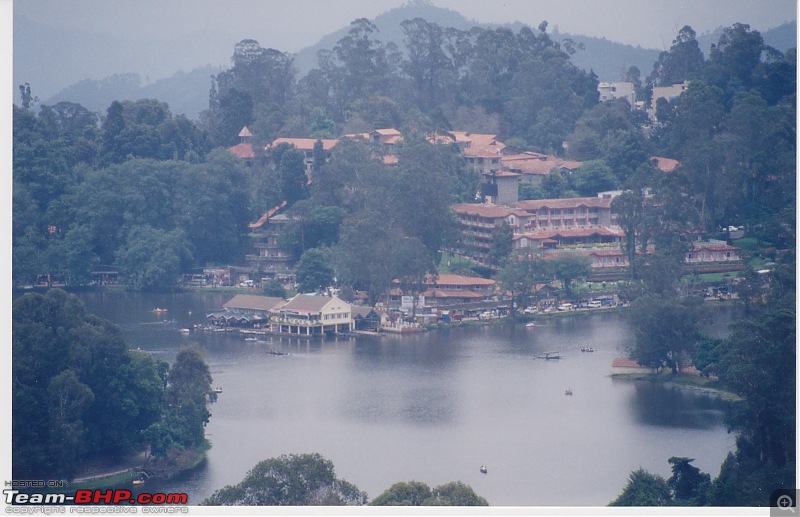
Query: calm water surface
x=436 y=406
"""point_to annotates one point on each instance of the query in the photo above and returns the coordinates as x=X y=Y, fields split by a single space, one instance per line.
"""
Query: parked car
x=566 y=307
x=530 y=310
x=595 y=304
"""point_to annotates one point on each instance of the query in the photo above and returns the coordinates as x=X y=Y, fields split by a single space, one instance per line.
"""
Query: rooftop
x=305 y=144
x=252 y=302
x=572 y=202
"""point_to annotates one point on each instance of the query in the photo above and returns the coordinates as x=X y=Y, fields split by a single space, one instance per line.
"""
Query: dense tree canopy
x=290 y=480
x=78 y=391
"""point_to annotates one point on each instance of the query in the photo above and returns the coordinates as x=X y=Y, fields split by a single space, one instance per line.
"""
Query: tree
x=420 y=197
x=187 y=395
x=684 y=60
x=313 y=272
x=152 y=258
x=291 y=170
x=568 y=268
x=644 y=489
x=359 y=258
x=594 y=176
x=69 y=398
x=412 y=265
x=27 y=97
x=519 y=278
x=688 y=484
x=629 y=207
x=274 y=288
x=502 y=243
x=735 y=61
x=431 y=70
x=415 y=493
x=455 y=493
x=79 y=393
x=411 y=493
x=290 y=480
x=665 y=330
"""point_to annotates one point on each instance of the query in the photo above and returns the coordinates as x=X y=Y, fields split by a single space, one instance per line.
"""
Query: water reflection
x=434 y=406
x=663 y=406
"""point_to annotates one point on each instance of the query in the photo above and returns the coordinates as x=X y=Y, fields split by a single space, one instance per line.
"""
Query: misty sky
x=291 y=25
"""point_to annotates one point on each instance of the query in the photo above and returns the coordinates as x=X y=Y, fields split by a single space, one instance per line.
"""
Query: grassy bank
x=685 y=381
x=175 y=464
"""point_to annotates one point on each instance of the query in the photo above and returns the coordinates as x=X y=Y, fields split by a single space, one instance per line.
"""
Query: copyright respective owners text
x=55 y=497
x=783 y=502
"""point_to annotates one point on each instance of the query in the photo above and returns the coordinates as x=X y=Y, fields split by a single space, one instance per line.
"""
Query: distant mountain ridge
x=187 y=92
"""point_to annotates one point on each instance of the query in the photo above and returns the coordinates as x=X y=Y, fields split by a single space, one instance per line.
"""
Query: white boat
x=483 y=469
x=550 y=355
x=217 y=390
x=531 y=324
x=185 y=331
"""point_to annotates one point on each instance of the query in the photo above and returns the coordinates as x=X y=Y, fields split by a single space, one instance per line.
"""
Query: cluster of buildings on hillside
x=585 y=226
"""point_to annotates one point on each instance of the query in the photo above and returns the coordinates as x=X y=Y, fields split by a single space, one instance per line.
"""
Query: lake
x=436 y=406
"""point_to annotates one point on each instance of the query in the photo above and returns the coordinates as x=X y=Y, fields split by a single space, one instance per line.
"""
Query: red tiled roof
x=252 y=302
x=537 y=164
x=266 y=216
x=574 y=202
x=448 y=279
x=388 y=132
x=243 y=150
x=666 y=164
x=305 y=144
x=621 y=362
x=487 y=211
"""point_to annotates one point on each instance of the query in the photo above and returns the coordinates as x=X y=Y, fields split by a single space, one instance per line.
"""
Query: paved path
x=124 y=465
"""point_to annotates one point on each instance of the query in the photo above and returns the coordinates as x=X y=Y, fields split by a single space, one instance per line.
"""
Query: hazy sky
x=291 y=25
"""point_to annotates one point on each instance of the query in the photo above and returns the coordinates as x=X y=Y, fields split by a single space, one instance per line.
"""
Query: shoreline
x=682 y=381
x=163 y=470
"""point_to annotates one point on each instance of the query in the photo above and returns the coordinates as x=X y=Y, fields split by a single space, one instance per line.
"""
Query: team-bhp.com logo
x=16 y=496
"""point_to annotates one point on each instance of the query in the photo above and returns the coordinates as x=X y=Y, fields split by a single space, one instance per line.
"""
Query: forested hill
x=388 y=24
x=609 y=59
x=187 y=92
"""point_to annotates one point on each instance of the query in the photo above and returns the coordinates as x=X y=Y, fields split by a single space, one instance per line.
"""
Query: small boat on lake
x=159 y=310
x=185 y=331
x=587 y=349
x=531 y=324
x=251 y=339
x=217 y=390
x=483 y=469
x=550 y=355
x=568 y=392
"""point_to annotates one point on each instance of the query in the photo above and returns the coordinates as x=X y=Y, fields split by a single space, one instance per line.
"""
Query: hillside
x=608 y=59
x=388 y=24
x=187 y=92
